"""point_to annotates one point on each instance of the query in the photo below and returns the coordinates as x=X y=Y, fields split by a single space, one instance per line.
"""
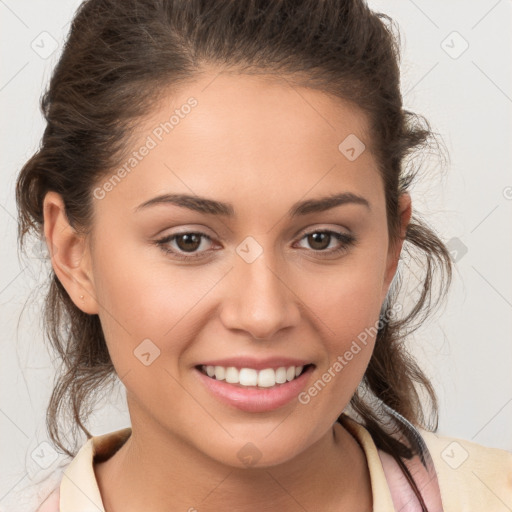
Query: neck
x=159 y=472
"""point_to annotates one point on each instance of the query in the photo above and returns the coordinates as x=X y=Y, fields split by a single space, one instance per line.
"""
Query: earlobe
x=69 y=254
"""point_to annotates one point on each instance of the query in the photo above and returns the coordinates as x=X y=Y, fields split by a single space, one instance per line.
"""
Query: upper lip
x=257 y=364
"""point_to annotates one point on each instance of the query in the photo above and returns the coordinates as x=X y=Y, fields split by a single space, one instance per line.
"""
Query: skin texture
x=260 y=144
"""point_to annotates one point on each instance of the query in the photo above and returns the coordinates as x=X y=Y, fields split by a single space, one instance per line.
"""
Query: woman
x=263 y=365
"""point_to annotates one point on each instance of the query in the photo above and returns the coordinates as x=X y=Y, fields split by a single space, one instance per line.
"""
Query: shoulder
x=51 y=503
x=45 y=494
x=425 y=478
x=471 y=476
x=41 y=496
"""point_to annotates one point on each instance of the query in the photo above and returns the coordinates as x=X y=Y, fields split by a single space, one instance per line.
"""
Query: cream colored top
x=465 y=476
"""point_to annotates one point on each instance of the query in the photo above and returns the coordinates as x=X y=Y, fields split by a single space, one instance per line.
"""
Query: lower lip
x=254 y=399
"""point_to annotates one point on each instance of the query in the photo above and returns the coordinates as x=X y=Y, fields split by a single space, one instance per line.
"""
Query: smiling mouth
x=251 y=378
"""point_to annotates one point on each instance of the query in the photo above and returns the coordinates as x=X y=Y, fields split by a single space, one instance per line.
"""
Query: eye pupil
x=189 y=237
x=319 y=238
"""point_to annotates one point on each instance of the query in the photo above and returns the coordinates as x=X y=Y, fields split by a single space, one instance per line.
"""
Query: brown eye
x=318 y=240
x=188 y=242
x=181 y=244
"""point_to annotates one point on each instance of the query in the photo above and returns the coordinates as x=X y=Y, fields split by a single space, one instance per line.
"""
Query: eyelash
x=346 y=239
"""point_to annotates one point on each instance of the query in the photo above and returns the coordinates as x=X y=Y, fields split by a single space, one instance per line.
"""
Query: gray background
x=467 y=96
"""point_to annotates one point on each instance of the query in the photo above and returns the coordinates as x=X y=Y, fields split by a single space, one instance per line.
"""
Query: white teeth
x=220 y=372
x=281 y=375
x=250 y=377
x=266 y=378
x=232 y=375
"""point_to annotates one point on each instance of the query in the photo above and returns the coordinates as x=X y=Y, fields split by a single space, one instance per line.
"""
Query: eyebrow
x=212 y=207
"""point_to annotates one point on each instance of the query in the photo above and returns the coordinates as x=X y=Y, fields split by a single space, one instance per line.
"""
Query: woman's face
x=262 y=287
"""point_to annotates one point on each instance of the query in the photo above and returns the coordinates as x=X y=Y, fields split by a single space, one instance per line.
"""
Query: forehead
x=246 y=110
x=257 y=136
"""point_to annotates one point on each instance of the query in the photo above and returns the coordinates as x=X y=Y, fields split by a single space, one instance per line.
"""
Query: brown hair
x=121 y=56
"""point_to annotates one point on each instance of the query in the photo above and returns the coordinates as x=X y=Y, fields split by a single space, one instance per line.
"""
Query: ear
x=70 y=254
x=395 y=247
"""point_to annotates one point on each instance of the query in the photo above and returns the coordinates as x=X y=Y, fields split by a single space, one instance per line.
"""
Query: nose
x=260 y=300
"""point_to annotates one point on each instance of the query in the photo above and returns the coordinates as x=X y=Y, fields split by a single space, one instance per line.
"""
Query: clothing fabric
x=460 y=476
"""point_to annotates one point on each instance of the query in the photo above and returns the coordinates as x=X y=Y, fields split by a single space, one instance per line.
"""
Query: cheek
x=145 y=315
x=348 y=299
x=140 y=300
x=347 y=304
